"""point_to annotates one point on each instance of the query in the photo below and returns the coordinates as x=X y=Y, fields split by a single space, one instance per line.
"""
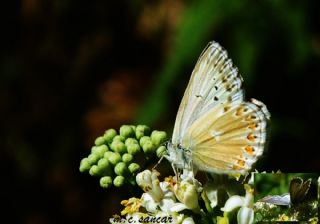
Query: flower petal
x=245 y=215
x=187 y=194
x=188 y=220
x=212 y=194
x=232 y=203
x=178 y=207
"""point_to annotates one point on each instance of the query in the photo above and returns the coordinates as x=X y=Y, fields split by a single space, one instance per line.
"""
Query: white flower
x=211 y=192
x=150 y=184
x=188 y=220
x=245 y=214
x=187 y=194
x=157 y=194
x=162 y=200
x=162 y=196
x=232 y=203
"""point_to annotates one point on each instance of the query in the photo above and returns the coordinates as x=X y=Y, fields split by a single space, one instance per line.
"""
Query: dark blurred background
x=71 y=69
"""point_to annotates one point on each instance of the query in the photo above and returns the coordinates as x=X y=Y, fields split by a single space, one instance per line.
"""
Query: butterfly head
x=178 y=156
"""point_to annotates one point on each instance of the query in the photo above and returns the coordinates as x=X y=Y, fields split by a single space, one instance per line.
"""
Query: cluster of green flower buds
x=115 y=157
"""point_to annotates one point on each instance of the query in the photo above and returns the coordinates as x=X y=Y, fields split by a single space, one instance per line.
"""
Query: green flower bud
x=105 y=182
x=93 y=158
x=133 y=149
x=118 y=181
x=119 y=147
x=145 y=139
x=127 y=158
x=99 y=150
x=127 y=131
x=161 y=151
x=100 y=140
x=118 y=138
x=142 y=130
x=95 y=171
x=133 y=127
x=148 y=147
x=121 y=169
x=84 y=165
x=130 y=141
x=103 y=164
x=109 y=135
x=158 y=137
x=133 y=167
x=113 y=157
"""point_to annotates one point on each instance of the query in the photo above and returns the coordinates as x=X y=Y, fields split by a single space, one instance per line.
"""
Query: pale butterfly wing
x=277 y=199
x=214 y=80
x=228 y=138
x=223 y=133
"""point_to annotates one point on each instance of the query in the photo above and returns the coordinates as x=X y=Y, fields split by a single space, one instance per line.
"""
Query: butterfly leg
x=155 y=166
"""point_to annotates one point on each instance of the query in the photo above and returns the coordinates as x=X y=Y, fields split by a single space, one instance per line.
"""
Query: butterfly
x=216 y=130
x=298 y=191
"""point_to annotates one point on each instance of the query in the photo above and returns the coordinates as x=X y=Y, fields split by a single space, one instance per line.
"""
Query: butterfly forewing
x=214 y=81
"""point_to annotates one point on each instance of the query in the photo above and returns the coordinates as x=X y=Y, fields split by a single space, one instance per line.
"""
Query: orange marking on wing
x=252 y=125
x=248 y=118
x=239 y=111
x=249 y=149
x=251 y=137
x=240 y=164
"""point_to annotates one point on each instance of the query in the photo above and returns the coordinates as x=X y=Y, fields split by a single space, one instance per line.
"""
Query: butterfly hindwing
x=228 y=138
